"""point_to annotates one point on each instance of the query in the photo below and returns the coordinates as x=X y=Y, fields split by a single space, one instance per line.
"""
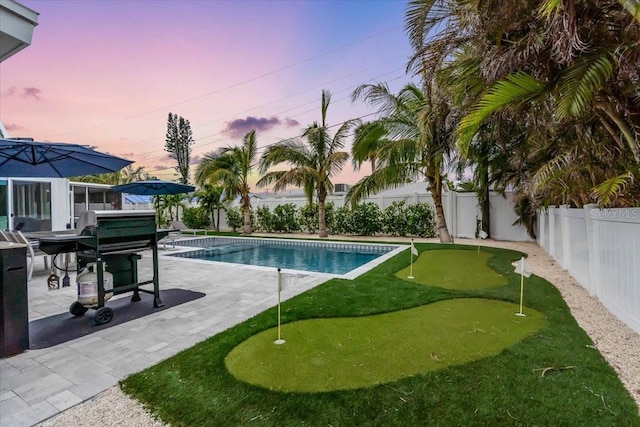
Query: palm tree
x=314 y=163
x=566 y=72
x=165 y=204
x=231 y=167
x=210 y=198
x=419 y=140
x=367 y=143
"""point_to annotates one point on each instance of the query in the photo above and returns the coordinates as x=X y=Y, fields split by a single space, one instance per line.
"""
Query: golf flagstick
x=413 y=251
x=523 y=270
x=279 y=340
x=482 y=235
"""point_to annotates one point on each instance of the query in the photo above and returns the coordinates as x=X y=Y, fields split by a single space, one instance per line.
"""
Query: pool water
x=321 y=257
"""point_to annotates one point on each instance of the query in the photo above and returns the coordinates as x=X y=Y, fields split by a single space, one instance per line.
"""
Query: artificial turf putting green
x=454 y=269
x=354 y=352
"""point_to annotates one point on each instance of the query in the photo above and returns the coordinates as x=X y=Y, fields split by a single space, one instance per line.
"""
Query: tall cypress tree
x=178 y=142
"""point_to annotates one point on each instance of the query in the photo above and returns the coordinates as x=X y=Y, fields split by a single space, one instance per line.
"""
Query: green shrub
x=395 y=219
x=284 y=218
x=308 y=218
x=196 y=218
x=265 y=220
x=235 y=219
x=421 y=220
x=367 y=219
x=342 y=221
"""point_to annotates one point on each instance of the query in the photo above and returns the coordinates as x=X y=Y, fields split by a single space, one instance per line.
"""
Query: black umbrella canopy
x=153 y=188
x=23 y=158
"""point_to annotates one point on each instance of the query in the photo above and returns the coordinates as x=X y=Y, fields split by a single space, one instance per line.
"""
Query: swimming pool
x=341 y=259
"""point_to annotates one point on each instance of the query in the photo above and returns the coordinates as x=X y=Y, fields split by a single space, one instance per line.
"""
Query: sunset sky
x=107 y=73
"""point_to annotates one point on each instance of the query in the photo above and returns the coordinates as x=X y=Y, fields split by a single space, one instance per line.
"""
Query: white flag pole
x=411 y=268
x=279 y=340
x=520 y=313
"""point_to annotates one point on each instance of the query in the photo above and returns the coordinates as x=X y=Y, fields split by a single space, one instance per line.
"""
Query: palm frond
x=633 y=7
x=516 y=88
x=550 y=169
x=382 y=179
x=605 y=193
x=582 y=81
x=549 y=7
x=289 y=150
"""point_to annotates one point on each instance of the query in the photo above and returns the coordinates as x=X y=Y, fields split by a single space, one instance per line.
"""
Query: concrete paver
x=38 y=384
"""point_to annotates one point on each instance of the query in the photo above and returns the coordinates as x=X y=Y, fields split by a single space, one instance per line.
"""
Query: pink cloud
x=31 y=92
x=240 y=127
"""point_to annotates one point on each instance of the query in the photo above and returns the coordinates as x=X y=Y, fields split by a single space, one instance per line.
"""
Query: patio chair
x=32 y=250
x=170 y=238
x=179 y=225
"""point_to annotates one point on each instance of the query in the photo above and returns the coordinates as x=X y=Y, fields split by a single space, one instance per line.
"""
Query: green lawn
x=511 y=387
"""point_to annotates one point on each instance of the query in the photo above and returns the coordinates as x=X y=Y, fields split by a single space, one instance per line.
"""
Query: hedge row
x=366 y=219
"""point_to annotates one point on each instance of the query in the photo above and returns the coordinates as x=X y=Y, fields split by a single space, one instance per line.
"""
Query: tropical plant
x=210 y=197
x=419 y=132
x=564 y=72
x=196 y=217
x=342 y=223
x=231 y=167
x=367 y=142
x=166 y=203
x=178 y=142
x=284 y=218
x=265 y=220
x=307 y=218
x=395 y=219
x=235 y=218
x=366 y=219
x=315 y=159
x=420 y=220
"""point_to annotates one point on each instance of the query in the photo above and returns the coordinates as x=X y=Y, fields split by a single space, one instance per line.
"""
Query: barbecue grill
x=115 y=239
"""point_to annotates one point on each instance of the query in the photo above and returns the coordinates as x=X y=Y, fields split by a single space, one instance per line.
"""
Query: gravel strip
x=617 y=342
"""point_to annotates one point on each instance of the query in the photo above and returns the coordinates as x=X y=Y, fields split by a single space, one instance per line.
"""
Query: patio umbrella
x=153 y=188
x=23 y=158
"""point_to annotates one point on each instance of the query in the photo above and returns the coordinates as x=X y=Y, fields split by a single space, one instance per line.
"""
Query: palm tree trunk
x=246 y=207
x=485 y=204
x=322 y=223
x=486 y=214
x=436 y=192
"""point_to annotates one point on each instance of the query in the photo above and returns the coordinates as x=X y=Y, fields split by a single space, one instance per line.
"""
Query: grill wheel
x=77 y=309
x=103 y=315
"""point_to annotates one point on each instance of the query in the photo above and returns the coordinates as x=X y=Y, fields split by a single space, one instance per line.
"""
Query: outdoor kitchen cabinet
x=14 y=305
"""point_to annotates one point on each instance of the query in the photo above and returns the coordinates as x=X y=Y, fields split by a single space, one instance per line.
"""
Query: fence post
x=592 y=248
x=552 y=231
x=566 y=238
x=451 y=213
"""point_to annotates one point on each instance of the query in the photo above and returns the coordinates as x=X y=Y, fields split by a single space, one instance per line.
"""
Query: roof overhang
x=18 y=22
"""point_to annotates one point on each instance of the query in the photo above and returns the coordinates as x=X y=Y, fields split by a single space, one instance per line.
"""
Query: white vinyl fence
x=601 y=249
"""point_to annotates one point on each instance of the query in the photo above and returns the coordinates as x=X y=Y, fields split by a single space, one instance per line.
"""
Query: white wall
x=59 y=199
x=601 y=249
